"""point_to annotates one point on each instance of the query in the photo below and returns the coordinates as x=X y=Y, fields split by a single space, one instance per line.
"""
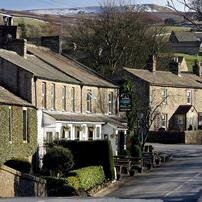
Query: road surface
x=177 y=180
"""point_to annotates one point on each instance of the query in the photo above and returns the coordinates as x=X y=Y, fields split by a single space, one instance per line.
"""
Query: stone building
x=18 y=127
x=185 y=42
x=176 y=95
x=73 y=102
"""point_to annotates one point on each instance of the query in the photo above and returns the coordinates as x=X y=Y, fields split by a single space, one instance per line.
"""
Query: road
x=177 y=180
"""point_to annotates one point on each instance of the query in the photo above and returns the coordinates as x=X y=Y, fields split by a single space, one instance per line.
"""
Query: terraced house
x=73 y=102
x=18 y=127
x=176 y=94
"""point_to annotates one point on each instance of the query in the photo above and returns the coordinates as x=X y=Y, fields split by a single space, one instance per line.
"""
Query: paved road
x=178 y=180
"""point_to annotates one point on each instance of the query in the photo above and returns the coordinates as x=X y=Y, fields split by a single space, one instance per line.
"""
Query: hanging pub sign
x=125 y=102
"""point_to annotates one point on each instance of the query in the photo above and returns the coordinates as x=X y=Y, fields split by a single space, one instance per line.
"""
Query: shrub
x=22 y=165
x=58 y=161
x=58 y=187
x=84 y=157
x=135 y=151
x=86 y=178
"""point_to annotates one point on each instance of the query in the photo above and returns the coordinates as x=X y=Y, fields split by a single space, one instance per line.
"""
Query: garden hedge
x=91 y=153
x=77 y=182
x=86 y=178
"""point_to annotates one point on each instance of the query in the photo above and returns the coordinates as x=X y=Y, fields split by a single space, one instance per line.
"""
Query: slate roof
x=186 y=37
x=79 y=118
x=6 y=97
x=183 y=109
x=166 y=78
x=70 y=67
x=36 y=66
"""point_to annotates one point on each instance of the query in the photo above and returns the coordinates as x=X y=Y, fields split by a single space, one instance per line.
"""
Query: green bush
x=59 y=187
x=58 y=161
x=22 y=165
x=86 y=178
x=84 y=157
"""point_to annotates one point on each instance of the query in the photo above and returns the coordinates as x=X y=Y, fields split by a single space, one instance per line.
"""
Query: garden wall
x=193 y=137
x=14 y=183
x=167 y=137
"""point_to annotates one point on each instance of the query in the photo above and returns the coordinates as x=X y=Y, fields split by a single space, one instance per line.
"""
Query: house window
x=43 y=95
x=189 y=97
x=57 y=135
x=73 y=99
x=200 y=120
x=53 y=96
x=49 y=137
x=64 y=90
x=164 y=120
x=89 y=102
x=90 y=133
x=25 y=125
x=111 y=103
x=98 y=132
x=10 y=125
x=164 y=96
x=77 y=133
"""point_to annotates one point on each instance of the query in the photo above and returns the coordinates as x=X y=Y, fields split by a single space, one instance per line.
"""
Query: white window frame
x=111 y=103
x=164 y=96
x=53 y=96
x=73 y=98
x=164 y=121
x=189 y=96
x=44 y=95
x=89 y=102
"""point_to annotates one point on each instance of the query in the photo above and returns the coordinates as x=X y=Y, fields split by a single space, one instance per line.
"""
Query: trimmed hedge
x=79 y=182
x=86 y=178
x=91 y=153
x=58 y=160
x=58 y=187
x=21 y=165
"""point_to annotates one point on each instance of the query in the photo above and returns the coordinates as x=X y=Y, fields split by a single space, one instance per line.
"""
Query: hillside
x=96 y=9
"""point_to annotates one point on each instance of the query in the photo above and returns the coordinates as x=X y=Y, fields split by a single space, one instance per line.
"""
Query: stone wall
x=14 y=183
x=193 y=137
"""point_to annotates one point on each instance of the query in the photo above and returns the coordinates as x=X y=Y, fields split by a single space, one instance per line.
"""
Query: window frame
x=111 y=103
x=53 y=97
x=189 y=96
x=73 y=99
x=64 y=98
x=44 y=95
x=164 y=96
x=89 y=100
x=164 y=119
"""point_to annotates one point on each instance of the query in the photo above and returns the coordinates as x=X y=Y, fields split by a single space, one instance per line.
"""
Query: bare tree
x=194 y=6
x=142 y=115
x=119 y=36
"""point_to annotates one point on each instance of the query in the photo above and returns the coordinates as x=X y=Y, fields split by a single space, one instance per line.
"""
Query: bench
x=127 y=165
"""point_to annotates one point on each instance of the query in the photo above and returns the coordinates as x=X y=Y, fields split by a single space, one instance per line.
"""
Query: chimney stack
x=197 y=68
x=8 y=20
x=54 y=43
x=151 y=63
x=175 y=66
x=19 y=46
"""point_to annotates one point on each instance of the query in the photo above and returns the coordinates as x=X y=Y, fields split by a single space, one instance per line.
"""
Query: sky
x=35 y=4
